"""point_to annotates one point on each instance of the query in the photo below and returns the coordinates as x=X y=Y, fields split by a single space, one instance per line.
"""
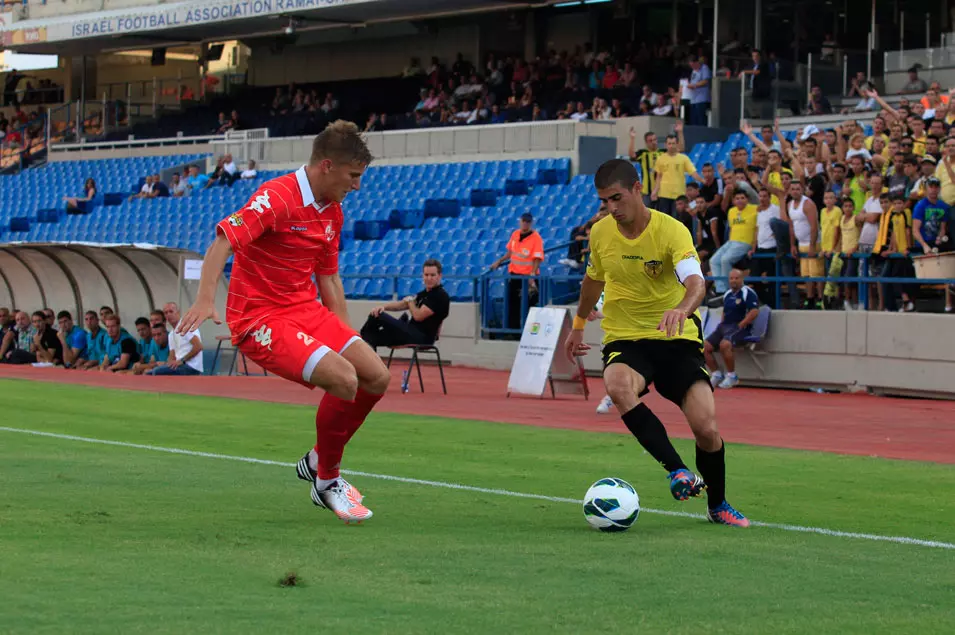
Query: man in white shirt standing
x=185 y=351
x=765 y=245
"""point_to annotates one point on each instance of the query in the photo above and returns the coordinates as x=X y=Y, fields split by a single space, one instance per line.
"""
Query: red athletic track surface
x=861 y=424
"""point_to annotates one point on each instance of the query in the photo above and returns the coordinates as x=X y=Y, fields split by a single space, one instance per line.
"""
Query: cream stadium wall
x=80 y=278
x=888 y=353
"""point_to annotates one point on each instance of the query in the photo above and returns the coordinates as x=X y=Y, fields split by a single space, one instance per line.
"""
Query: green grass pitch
x=104 y=539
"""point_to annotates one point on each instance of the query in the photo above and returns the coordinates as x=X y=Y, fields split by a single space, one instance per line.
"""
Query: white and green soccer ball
x=611 y=504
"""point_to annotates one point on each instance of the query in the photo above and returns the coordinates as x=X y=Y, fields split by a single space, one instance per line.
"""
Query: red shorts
x=290 y=343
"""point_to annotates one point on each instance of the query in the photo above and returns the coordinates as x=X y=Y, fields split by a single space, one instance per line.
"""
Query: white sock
x=313 y=459
x=733 y=375
x=322 y=484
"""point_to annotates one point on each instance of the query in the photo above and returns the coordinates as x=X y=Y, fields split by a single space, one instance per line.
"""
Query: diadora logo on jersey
x=308 y=339
x=235 y=220
x=263 y=337
x=631 y=257
x=299 y=228
x=261 y=203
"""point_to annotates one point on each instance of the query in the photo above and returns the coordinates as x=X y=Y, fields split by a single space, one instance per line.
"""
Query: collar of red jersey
x=306 y=190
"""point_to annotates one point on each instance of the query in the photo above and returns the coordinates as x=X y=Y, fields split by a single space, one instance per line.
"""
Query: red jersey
x=281 y=238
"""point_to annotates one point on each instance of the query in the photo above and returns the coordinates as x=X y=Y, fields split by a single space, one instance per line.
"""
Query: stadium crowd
x=863 y=204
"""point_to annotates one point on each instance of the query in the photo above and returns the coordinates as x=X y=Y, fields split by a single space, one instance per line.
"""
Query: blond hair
x=341 y=141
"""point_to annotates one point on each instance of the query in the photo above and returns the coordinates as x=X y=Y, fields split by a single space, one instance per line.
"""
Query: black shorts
x=673 y=366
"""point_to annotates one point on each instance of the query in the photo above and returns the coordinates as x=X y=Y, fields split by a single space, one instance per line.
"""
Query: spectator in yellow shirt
x=847 y=239
x=670 y=173
x=831 y=216
x=742 y=221
x=945 y=172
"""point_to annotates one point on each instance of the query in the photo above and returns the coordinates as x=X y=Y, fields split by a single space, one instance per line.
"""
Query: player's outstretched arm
x=205 y=306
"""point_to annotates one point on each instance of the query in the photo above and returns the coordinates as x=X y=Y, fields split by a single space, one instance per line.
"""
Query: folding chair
x=215 y=358
x=417 y=349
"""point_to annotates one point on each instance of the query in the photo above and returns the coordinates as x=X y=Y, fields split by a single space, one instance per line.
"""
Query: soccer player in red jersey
x=288 y=232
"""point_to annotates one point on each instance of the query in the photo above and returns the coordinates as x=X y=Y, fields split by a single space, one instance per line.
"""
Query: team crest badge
x=653 y=268
x=235 y=220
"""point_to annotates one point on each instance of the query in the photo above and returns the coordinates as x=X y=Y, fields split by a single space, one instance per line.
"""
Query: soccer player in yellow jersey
x=644 y=263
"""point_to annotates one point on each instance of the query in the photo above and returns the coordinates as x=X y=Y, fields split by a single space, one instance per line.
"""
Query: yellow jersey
x=850 y=234
x=673 y=171
x=828 y=221
x=640 y=278
x=647 y=160
x=743 y=224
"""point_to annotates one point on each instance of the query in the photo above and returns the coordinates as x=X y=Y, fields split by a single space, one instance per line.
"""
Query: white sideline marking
x=484 y=490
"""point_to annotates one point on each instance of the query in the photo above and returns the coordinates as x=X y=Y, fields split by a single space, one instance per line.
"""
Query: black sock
x=651 y=434
x=712 y=466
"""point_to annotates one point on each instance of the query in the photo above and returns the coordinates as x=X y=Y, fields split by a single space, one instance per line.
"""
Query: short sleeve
x=680 y=245
x=595 y=270
x=257 y=217
x=537 y=252
x=688 y=166
x=752 y=299
x=78 y=341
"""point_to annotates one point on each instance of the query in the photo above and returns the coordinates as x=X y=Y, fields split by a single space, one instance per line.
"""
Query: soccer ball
x=611 y=504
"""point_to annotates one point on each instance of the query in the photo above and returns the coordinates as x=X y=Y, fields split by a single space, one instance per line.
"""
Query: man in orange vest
x=525 y=248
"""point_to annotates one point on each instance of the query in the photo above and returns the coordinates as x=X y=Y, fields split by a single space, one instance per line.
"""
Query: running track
x=859 y=424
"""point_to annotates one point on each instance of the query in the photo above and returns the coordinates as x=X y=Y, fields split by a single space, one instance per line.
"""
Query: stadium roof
x=195 y=21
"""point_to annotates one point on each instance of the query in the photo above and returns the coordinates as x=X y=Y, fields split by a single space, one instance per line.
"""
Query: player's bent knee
x=332 y=373
x=726 y=346
x=377 y=383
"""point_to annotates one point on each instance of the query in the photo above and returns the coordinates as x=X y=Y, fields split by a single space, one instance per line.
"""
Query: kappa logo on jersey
x=653 y=268
x=235 y=220
x=308 y=339
x=299 y=228
x=261 y=203
x=329 y=232
x=263 y=337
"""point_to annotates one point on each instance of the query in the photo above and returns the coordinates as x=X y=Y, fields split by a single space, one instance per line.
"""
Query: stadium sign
x=168 y=16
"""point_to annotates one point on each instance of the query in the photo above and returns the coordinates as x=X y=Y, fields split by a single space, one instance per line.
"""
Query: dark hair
x=672 y=136
x=93 y=313
x=706 y=165
x=142 y=320
x=161 y=327
x=682 y=198
x=648 y=135
x=432 y=262
x=341 y=141
x=740 y=193
x=64 y=314
x=910 y=160
x=740 y=171
x=849 y=200
x=39 y=314
x=616 y=172
x=107 y=308
x=693 y=184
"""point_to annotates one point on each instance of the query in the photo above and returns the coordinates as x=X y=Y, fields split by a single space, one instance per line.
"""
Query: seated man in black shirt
x=48 y=347
x=426 y=312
